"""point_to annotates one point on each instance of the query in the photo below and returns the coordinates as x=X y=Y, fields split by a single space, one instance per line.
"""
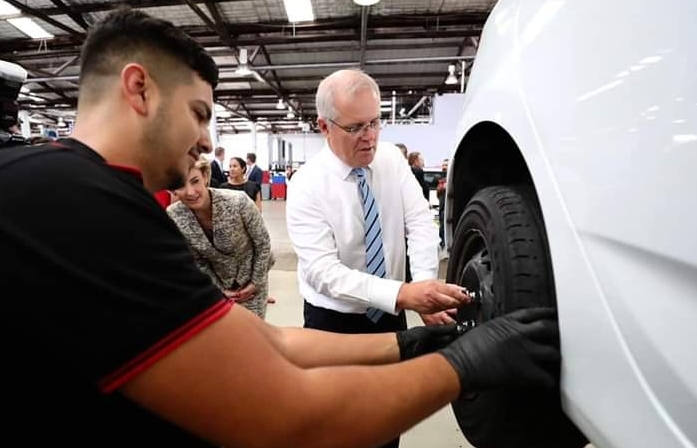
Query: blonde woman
x=227 y=235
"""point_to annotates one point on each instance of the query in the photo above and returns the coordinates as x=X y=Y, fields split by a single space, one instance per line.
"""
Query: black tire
x=500 y=250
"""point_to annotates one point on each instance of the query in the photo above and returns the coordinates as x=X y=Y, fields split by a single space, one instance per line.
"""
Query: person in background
x=289 y=172
x=254 y=172
x=237 y=181
x=227 y=236
x=440 y=193
x=12 y=76
x=218 y=175
x=143 y=346
x=402 y=147
x=416 y=162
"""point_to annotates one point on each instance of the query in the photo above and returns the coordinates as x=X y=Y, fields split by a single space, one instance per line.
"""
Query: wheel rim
x=477 y=275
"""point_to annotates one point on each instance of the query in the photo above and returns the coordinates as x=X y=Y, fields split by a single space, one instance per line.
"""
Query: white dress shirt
x=325 y=223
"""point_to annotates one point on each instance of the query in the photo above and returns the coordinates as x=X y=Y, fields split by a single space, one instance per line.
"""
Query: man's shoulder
x=25 y=152
x=311 y=171
x=50 y=163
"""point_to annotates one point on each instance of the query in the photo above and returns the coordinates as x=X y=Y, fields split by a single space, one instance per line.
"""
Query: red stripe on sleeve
x=173 y=340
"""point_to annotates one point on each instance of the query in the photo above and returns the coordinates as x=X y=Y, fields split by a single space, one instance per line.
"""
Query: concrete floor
x=438 y=431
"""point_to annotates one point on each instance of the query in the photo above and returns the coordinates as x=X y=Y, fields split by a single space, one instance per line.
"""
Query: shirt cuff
x=383 y=294
x=424 y=275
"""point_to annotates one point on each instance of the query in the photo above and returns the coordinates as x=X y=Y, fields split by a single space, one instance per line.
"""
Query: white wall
x=304 y=145
x=434 y=141
x=238 y=145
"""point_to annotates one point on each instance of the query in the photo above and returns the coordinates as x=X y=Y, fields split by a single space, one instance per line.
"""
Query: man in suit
x=252 y=168
x=218 y=175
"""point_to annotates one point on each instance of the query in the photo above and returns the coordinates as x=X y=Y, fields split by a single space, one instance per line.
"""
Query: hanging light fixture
x=451 y=79
x=366 y=2
x=243 y=67
x=280 y=105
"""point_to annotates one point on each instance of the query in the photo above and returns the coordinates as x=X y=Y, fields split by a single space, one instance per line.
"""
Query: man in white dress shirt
x=325 y=220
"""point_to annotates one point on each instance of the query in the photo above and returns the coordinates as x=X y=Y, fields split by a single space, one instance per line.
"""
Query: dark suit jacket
x=255 y=175
x=217 y=174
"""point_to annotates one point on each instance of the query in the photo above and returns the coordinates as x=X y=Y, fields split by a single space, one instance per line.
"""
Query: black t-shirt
x=251 y=188
x=97 y=283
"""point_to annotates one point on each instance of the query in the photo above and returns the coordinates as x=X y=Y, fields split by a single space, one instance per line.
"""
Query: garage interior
x=270 y=67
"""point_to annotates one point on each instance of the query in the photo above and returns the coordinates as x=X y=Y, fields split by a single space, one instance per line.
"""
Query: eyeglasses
x=359 y=130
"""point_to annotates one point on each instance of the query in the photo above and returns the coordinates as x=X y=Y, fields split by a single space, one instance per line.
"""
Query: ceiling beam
x=70 y=45
x=67 y=10
x=45 y=17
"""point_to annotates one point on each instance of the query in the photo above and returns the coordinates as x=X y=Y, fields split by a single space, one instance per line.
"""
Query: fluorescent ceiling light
x=451 y=79
x=243 y=69
x=30 y=28
x=299 y=10
x=366 y=2
x=7 y=10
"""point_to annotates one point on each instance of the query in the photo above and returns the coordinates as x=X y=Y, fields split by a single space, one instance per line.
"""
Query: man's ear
x=323 y=126
x=136 y=87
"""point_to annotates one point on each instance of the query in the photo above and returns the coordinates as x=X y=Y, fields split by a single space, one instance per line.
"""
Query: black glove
x=425 y=339
x=520 y=349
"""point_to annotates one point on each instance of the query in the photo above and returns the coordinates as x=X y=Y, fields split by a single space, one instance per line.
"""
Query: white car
x=573 y=182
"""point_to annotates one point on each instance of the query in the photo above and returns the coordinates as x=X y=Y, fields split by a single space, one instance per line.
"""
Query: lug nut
x=465 y=326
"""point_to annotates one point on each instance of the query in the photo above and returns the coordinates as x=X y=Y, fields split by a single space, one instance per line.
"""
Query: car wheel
x=500 y=251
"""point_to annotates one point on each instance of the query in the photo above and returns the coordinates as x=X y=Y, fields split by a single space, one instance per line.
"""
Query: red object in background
x=278 y=191
x=164 y=197
x=265 y=177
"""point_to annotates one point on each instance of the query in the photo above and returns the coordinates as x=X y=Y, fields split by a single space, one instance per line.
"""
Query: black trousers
x=330 y=320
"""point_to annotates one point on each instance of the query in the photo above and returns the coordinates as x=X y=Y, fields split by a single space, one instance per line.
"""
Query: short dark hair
x=413 y=157
x=129 y=35
x=219 y=150
x=251 y=156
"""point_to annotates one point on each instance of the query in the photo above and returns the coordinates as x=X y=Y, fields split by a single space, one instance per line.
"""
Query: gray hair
x=347 y=81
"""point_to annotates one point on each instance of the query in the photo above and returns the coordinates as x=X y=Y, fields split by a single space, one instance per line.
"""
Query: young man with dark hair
x=117 y=338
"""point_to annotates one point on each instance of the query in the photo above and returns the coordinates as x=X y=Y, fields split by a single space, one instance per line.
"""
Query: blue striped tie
x=374 y=257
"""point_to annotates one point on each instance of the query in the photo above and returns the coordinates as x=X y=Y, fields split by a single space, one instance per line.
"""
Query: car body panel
x=600 y=98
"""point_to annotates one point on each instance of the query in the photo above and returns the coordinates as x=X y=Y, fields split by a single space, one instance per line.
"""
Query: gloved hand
x=425 y=339
x=519 y=349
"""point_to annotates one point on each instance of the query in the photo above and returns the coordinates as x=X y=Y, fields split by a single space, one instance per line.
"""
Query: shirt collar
x=336 y=165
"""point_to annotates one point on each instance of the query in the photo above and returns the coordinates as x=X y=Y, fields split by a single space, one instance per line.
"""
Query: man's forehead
x=346 y=103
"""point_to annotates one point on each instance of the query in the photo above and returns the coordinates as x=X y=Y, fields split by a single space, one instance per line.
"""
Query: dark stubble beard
x=156 y=141
x=176 y=179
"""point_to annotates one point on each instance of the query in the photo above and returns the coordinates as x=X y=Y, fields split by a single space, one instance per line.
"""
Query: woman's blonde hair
x=204 y=165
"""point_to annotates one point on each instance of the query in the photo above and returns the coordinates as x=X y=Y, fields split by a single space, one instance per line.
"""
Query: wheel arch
x=487 y=155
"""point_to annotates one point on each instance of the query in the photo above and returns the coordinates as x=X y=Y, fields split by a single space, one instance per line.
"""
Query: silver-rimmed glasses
x=359 y=130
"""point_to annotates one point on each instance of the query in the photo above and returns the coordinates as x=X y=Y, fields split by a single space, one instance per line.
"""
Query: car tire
x=500 y=251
